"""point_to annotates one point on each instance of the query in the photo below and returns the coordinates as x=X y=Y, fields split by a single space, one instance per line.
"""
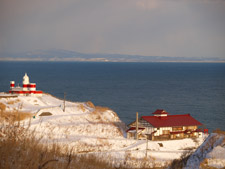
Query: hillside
x=89 y=129
x=66 y=55
x=210 y=154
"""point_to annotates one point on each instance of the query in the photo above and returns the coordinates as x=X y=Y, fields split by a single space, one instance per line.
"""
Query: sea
x=126 y=88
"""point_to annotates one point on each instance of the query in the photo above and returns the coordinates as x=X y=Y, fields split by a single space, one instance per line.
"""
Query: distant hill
x=66 y=55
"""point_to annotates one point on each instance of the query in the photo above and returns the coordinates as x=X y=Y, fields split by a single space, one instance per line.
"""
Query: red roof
x=160 y=111
x=172 y=120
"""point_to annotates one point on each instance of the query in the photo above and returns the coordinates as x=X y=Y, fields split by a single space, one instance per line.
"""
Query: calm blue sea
x=127 y=88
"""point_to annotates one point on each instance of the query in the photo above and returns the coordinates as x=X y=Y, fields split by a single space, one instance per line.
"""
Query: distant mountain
x=66 y=55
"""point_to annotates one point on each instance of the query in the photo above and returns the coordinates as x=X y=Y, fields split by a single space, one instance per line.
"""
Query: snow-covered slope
x=210 y=154
x=81 y=123
x=92 y=129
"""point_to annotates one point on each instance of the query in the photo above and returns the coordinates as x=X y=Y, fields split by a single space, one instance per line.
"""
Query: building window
x=177 y=128
x=191 y=127
x=166 y=132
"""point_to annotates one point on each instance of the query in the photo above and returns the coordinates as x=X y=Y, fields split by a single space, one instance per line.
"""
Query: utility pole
x=136 y=125
x=64 y=107
x=146 y=153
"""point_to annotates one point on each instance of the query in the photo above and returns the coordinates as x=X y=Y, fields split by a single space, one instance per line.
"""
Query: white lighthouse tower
x=26 y=82
x=12 y=84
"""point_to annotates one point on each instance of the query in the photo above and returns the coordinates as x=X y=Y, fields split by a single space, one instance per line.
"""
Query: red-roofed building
x=165 y=126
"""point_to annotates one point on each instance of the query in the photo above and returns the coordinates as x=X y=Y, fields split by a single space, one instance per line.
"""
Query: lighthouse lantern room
x=27 y=89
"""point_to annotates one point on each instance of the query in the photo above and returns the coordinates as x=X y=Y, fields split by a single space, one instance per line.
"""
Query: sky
x=185 y=28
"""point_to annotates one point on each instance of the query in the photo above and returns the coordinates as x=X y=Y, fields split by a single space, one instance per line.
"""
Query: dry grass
x=103 y=141
x=219 y=131
x=101 y=109
x=20 y=149
x=96 y=114
x=205 y=165
x=90 y=104
x=14 y=116
x=81 y=107
x=13 y=101
x=2 y=107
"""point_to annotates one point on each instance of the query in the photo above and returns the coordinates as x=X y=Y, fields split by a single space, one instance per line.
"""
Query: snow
x=210 y=153
x=216 y=158
x=95 y=130
x=217 y=153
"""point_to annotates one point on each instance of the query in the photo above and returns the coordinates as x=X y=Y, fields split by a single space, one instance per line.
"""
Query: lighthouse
x=27 y=89
x=12 y=84
x=26 y=82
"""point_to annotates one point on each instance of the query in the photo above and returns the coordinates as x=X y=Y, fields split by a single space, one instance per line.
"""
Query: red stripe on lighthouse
x=32 y=86
x=25 y=85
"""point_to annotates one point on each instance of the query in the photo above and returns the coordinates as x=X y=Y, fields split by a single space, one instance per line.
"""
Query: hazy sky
x=143 y=27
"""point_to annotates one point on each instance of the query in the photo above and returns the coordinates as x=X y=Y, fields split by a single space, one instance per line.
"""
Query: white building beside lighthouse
x=27 y=89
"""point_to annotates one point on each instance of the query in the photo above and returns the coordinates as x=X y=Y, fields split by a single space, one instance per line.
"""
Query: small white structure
x=27 y=89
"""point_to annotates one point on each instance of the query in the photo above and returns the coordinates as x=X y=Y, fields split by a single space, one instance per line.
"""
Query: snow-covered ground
x=91 y=129
x=210 y=154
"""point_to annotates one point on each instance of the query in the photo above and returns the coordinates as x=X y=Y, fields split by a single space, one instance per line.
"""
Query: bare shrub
x=180 y=163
